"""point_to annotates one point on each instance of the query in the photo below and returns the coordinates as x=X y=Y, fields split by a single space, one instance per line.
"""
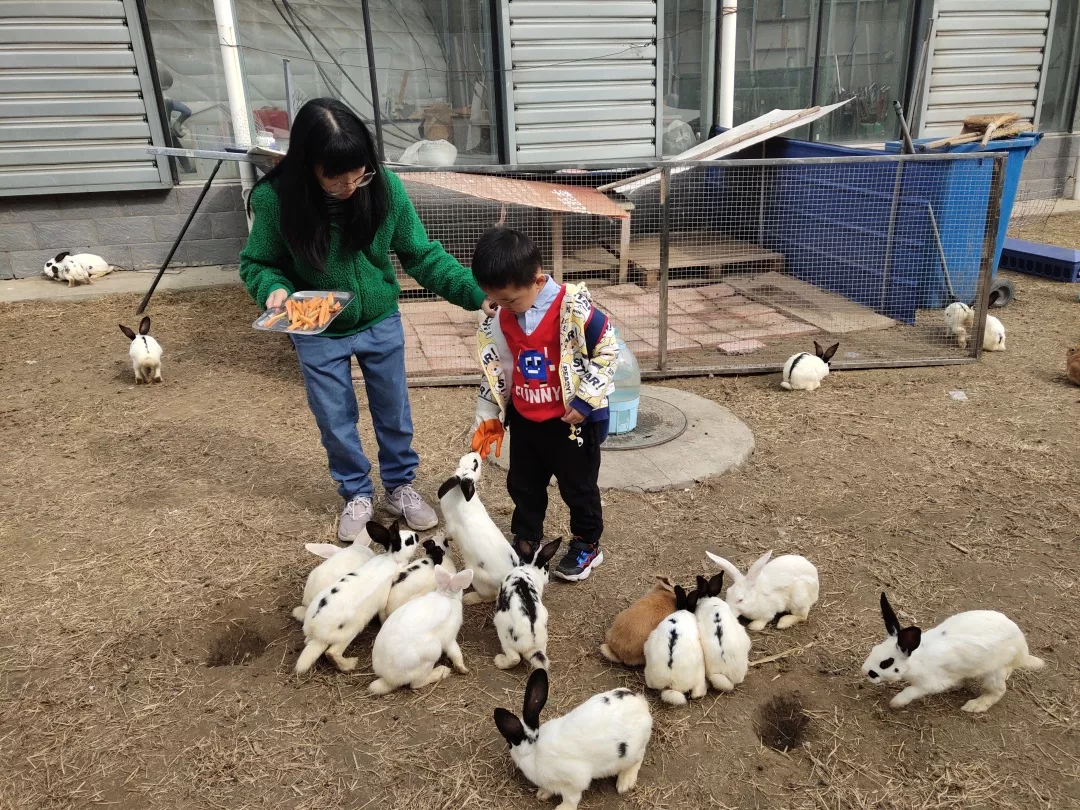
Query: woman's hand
x=489 y=308
x=276 y=299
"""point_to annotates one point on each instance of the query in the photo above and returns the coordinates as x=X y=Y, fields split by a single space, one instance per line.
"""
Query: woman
x=326 y=218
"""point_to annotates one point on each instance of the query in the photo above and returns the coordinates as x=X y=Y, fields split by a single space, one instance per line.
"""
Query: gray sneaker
x=407 y=501
x=354 y=519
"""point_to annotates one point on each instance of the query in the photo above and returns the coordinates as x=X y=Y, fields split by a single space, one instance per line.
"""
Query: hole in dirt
x=238 y=644
x=782 y=722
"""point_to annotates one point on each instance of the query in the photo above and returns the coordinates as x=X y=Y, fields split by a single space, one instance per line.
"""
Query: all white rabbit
x=724 y=641
x=418 y=578
x=805 y=371
x=604 y=736
x=78 y=268
x=145 y=353
x=482 y=546
x=418 y=633
x=786 y=585
x=340 y=612
x=980 y=645
x=674 y=658
x=520 y=616
x=993 y=335
x=959 y=320
x=337 y=562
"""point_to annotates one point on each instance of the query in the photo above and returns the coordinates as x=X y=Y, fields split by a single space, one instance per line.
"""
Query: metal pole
x=225 y=16
x=290 y=102
x=986 y=272
x=179 y=236
x=725 y=113
x=375 y=111
x=665 y=253
x=891 y=237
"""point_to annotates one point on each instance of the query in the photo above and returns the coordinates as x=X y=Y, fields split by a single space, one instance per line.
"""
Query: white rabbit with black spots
x=805 y=371
x=976 y=645
x=145 y=353
x=481 y=544
x=674 y=658
x=993 y=335
x=605 y=736
x=959 y=320
x=787 y=585
x=417 y=634
x=77 y=268
x=418 y=577
x=724 y=641
x=337 y=562
x=340 y=612
x=520 y=616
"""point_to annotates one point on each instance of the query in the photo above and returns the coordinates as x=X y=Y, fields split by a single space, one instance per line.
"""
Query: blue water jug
x=623 y=404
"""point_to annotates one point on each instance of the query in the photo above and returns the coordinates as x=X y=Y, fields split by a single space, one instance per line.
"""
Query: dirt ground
x=151 y=548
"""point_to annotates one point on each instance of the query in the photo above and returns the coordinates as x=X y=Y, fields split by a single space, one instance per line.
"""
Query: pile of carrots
x=307 y=313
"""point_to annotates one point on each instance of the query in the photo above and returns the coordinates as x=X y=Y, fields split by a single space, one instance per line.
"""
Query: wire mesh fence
x=732 y=266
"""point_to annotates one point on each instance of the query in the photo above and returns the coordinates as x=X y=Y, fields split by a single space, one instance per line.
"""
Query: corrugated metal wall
x=987 y=57
x=583 y=80
x=76 y=99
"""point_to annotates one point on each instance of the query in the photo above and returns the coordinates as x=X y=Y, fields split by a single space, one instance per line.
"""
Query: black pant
x=539 y=450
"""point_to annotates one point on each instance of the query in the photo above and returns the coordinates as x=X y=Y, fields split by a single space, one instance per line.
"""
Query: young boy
x=548 y=358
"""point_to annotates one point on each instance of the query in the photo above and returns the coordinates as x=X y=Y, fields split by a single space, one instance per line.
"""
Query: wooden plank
x=699 y=250
x=557 y=225
x=827 y=311
x=624 y=251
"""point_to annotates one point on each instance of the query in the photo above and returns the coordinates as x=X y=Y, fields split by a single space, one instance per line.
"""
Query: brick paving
x=440 y=339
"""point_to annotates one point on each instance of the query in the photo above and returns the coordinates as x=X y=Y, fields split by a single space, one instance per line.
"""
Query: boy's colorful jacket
x=587 y=361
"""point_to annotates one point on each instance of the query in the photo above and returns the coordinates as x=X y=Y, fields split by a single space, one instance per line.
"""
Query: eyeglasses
x=341 y=187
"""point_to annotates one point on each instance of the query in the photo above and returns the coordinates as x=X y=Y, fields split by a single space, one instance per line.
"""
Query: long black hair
x=329 y=136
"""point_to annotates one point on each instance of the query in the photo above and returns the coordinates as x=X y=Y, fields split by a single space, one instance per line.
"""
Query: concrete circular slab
x=715 y=442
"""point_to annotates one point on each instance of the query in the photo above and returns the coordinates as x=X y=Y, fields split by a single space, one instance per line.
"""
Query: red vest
x=535 y=386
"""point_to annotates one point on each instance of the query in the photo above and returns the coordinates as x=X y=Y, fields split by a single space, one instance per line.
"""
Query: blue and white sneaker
x=579 y=561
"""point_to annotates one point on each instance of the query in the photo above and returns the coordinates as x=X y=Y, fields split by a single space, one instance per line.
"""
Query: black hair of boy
x=505 y=258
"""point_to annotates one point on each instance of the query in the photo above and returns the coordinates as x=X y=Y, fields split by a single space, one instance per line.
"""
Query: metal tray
x=283 y=325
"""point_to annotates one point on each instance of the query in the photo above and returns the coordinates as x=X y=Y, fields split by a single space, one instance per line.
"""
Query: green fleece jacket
x=267 y=264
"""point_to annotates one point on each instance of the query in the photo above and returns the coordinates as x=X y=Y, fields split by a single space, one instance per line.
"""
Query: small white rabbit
x=145 y=353
x=724 y=641
x=337 y=562
x=520 y=616
x=78 y=268
x=981 y=645
x=959 y=319
x=787 y=585
x=482 y=546
x=805 y=371
x=674 y=658
x=417 y=634
x=340 y=612
x=993 y=335
x=418 y=578
x=604 y=736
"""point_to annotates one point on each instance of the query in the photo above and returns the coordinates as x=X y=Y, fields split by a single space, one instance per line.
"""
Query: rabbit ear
x=461 y=580
x=130 y=335
x=448 y=485
x=892 y=624
x=732 y=571
x=546 y=553
x=468 y=488
x=667 y=583
x=908 y=640
x=536 y=695
x=442 y=577
x=144 y=326
x=61 y=256
x=379 y=534
x=680 y=598
x=818 y=350
x=692 y=600
x=702 y=584
x=324 y=550
x=716 y=584
x=829 y=352
x=760 y=563
x=510 y=727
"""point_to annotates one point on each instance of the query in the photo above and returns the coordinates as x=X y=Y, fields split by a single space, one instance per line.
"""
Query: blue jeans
x=324 y=362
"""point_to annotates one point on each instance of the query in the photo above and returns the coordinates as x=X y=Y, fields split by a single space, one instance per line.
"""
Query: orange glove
x=490 y=432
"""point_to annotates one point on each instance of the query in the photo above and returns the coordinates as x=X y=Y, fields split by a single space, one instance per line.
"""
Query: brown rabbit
x=625 y=639
x=1072 y=364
